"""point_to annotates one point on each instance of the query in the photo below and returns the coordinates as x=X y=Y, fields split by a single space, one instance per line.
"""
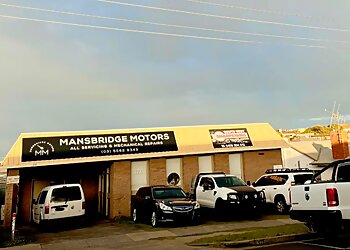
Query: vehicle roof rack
x=287 y=170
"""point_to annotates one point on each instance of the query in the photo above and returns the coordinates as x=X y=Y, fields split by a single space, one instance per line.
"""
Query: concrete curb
x=259 y=242
x=24 y=247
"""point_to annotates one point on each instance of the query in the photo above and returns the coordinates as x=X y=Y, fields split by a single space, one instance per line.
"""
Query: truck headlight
x=232 y=197
x=196 y=205
x=164 y=207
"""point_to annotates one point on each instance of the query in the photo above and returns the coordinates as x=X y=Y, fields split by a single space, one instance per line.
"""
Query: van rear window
x=42 y=197
x=66 y=194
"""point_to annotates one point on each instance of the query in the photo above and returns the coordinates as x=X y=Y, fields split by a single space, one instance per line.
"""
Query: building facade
x=111 y=165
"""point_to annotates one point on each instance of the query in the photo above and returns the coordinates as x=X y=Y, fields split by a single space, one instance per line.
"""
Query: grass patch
x=5 y=239
x=252 y=234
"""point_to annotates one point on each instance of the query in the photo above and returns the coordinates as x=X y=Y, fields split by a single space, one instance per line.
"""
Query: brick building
x=112 y=164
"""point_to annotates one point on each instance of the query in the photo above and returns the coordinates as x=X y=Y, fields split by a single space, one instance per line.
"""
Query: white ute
x=225 y=193
x=277 y=182
x=59 y=201
x=323 y=203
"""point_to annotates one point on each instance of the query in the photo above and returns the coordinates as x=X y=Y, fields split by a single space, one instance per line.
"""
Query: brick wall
x=157 y=172
x=221 y=163
x=120 y=189
x=255 y=163
x=189 y=169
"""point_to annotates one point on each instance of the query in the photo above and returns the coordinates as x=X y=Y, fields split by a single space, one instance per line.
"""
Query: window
x=207 y=181
x=301 y=178
x=65 y=194
x=229 y=181
x=167 y=193
x=343 y=174
x=270 y=180
x=42 y=197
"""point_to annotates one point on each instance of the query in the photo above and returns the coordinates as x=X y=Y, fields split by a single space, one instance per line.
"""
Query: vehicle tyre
x=327 y=230
x=281 y=205
x=134 y=215
x=154 y=219
x=220 y=210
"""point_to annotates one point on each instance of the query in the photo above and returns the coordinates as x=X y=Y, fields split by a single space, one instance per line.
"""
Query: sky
x=95 y=65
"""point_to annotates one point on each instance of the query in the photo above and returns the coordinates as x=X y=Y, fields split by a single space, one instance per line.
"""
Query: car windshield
x=168 y=193
x=229 y=181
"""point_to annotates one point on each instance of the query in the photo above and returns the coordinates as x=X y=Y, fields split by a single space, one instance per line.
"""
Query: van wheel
x=134 y=215
x=281 y=205
x=154 y=219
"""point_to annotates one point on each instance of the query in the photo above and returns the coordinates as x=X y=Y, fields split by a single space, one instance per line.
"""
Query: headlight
x=196 y=205
x=232 y=197
x=164 y=207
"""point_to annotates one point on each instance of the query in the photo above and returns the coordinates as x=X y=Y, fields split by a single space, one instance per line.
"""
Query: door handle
x=274 y=188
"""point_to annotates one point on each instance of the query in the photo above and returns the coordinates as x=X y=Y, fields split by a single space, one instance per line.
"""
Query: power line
x=171 y=25
x=153 y=33
x=225 y=17
x=280 y=13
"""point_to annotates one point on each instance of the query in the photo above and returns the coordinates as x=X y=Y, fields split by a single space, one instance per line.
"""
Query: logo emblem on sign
x=41 y=148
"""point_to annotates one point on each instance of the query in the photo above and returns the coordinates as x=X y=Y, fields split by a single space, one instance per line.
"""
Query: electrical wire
x=225 y=17
x=171 y=25
x=280 y=13
x=152 y=32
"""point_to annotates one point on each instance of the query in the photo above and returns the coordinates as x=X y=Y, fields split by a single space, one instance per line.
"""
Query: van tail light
x=83 y=205
x=47 y=209
x=332 y=197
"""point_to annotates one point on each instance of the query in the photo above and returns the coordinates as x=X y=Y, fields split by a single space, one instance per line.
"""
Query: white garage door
x=205 y=164
x=235 y=161
x=139 y=175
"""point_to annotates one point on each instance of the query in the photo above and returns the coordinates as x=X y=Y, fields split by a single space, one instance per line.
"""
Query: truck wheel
x=220 y=210
x=154 y=219
x=327 y=230
x=281 y=205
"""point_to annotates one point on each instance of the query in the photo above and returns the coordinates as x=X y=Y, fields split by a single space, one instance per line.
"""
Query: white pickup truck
x=324 y=202
x=225 y=193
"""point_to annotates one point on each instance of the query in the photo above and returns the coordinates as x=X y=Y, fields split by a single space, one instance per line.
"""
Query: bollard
x=13 y=226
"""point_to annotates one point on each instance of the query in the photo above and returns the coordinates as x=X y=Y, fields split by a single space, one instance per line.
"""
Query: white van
x=59 y=201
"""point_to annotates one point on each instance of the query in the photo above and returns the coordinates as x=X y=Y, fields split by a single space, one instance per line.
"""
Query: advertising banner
x=230 y=138
x=50 y=148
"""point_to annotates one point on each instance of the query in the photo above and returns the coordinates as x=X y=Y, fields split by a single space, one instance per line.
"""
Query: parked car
x=155 y=204
x=276 y=183
x=59 y=201
x=225 y=193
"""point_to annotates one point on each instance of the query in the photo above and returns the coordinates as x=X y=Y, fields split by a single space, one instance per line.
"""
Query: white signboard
x=12 y=179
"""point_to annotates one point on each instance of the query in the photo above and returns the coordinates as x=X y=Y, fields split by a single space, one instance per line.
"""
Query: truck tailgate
x=309 y=197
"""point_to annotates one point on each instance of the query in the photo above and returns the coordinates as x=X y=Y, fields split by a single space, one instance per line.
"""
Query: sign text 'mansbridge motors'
x=49 y=148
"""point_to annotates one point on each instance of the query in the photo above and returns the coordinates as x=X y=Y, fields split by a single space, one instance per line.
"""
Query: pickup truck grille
x=248 y=197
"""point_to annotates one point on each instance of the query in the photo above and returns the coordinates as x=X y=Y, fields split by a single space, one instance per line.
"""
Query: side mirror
x=205 y=186
x=33 y=201
x=254 y=184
